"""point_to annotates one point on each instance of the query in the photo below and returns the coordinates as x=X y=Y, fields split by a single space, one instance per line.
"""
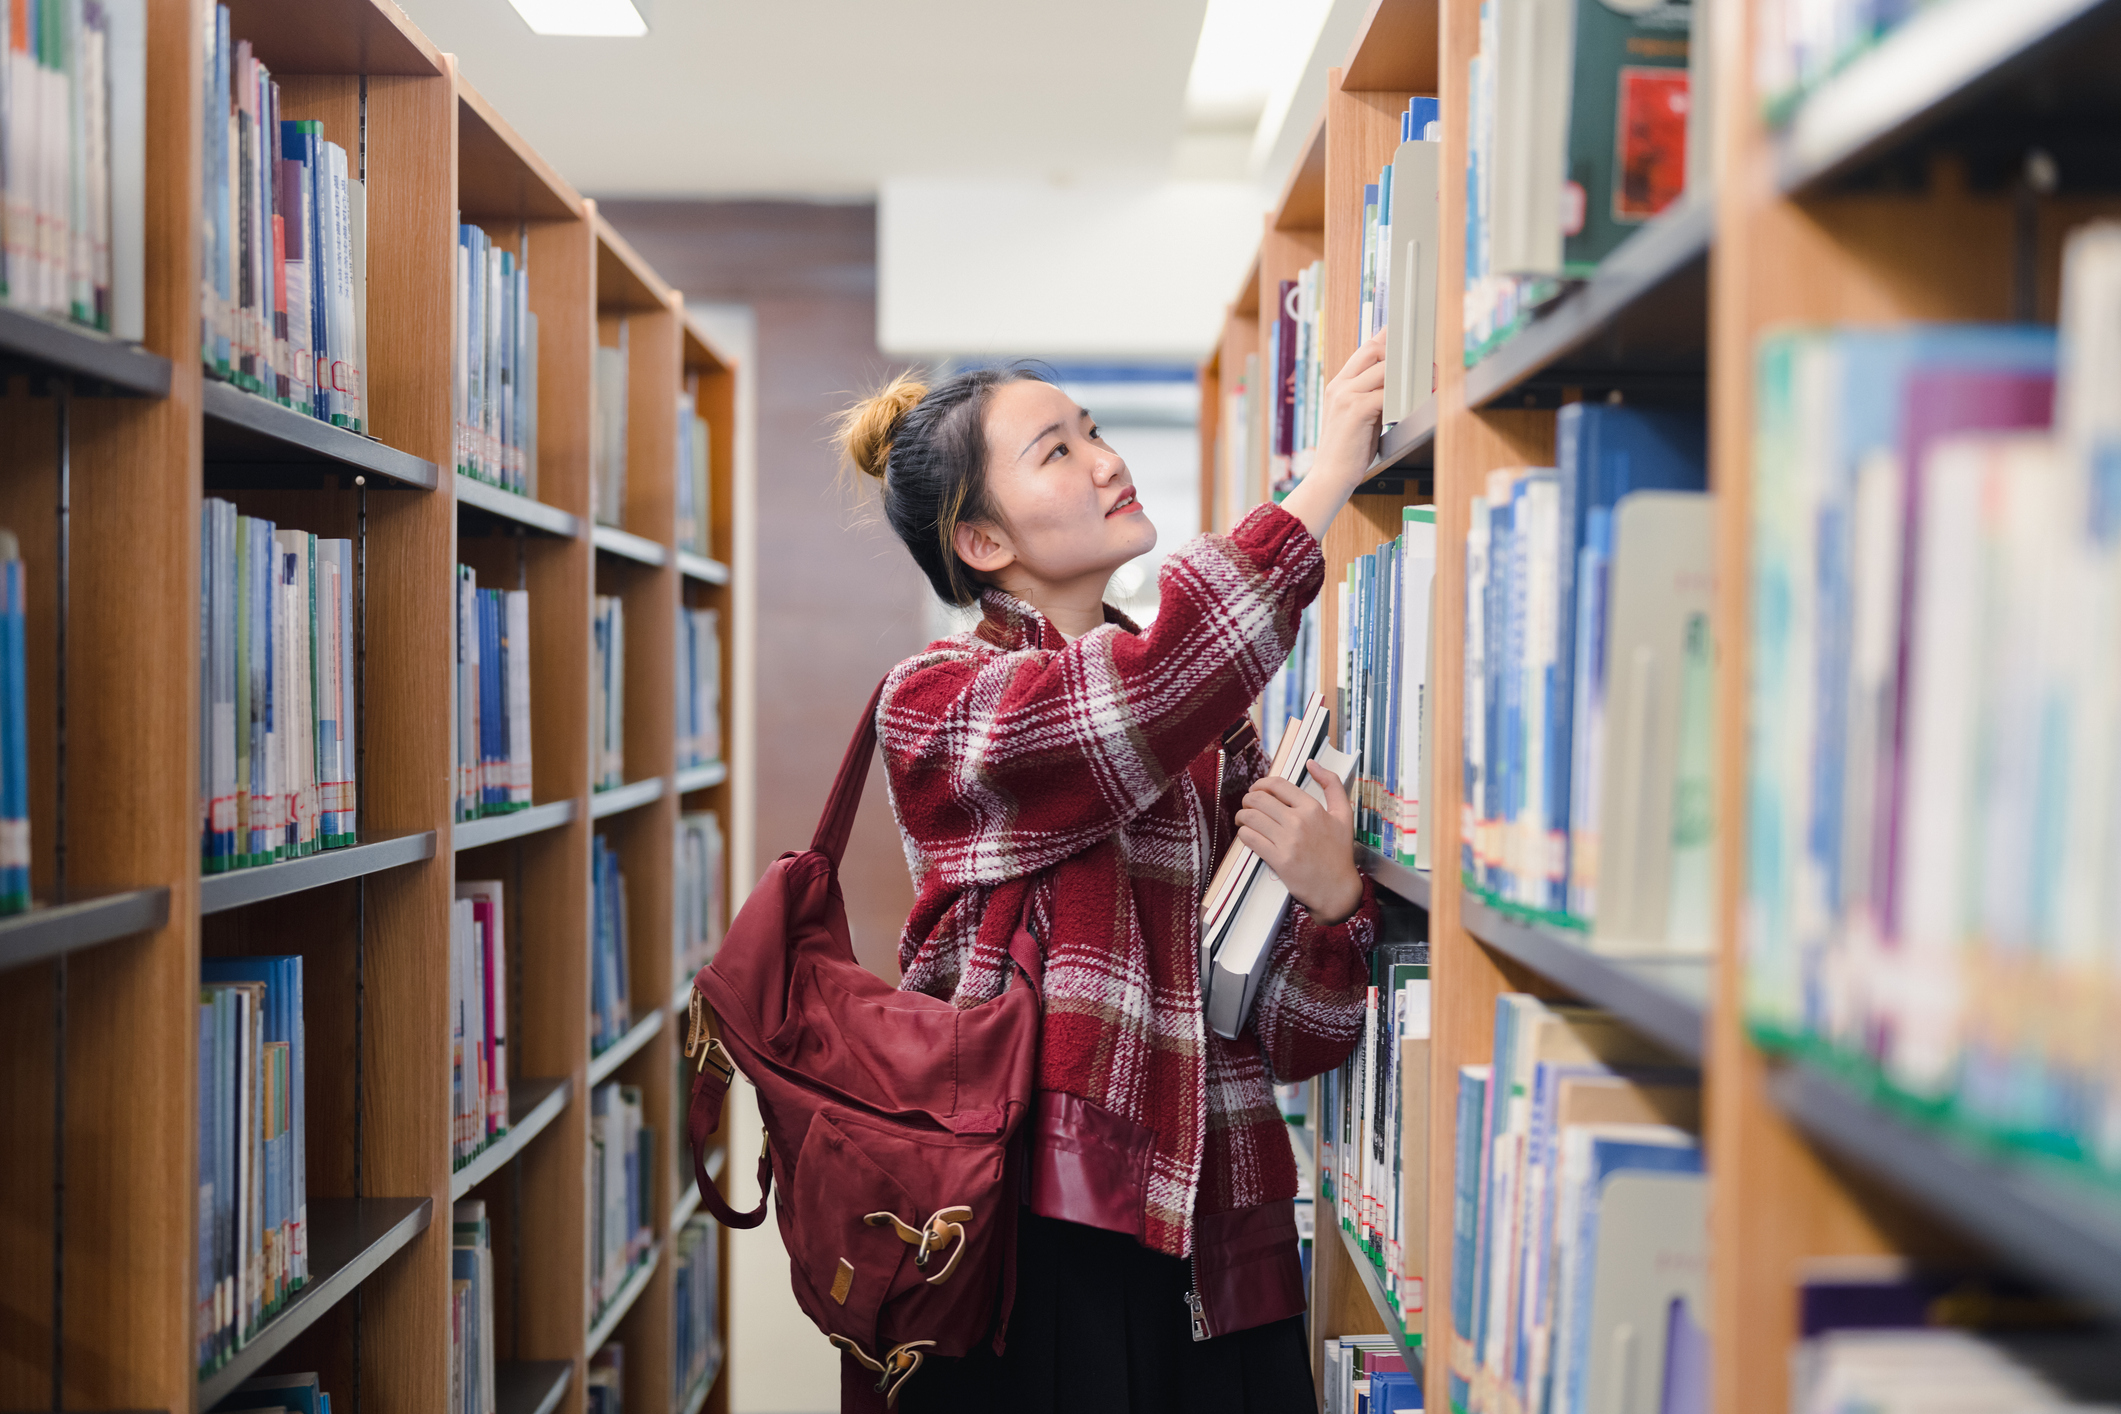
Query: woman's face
x=1065 y=500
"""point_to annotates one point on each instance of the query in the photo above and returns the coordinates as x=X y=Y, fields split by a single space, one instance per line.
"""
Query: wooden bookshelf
x=1886 y=197
x=100 y=1051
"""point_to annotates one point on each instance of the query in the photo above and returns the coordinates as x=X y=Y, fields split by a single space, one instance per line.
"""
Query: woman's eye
x=1097 y=434
x=1060 y=449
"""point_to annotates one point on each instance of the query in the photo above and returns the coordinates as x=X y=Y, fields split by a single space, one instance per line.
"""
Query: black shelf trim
x=47 y=931
x=625 y=544
x=1409 y=1351
x=2045 y=1226
x=1625 y=986
x=1662 y=249
x=694 y=778
x=615 y=1310
x=532 y=1105
x=58 y=346
x=518 y=509
x=1404 y=880
x=530 y=1386
x=614 y=799
x=220 y=892
x=243 y=428
x=701 y=568
x=604 y=1062
x=492 y=829
x=1408 y=444
x=349 y=1238
x=1933 y=64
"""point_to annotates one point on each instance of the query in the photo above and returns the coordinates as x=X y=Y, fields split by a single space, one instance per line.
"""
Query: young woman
x=1058 y=763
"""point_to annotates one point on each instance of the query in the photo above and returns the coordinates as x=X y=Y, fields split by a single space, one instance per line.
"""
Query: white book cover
x=1410 y=344
x=518 y=607
x=356 y=296
x=1662 y=576
x=1416 y=583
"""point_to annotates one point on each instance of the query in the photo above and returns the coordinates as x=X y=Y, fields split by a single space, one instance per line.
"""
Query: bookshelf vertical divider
x=111 y=1121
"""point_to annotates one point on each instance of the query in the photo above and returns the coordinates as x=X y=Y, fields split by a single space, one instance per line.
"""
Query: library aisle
x=419 y=477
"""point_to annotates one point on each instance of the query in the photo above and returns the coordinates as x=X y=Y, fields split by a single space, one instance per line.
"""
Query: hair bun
x=866 y=429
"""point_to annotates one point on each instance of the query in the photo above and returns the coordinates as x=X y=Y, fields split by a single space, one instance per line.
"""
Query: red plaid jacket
x=1085 y=773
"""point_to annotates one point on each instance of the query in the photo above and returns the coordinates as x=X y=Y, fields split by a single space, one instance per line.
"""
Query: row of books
x=604 y=1386
x=1372 y=1122
x=607 y=426
x=1579 y=1232
x=694 y=466
x=607 y=694
x=1932 y=787
x=478 y=1019
x=699 y=679
x=699 y=891
x=490 y=739
x=253 y=1184
x=1381 y=677
x=1799 y=45
x=1402 y=224
x=14 y=727
x=1296 y=352
x=279 y=1394
x=1240 y=465
x=1588 y=660
x=73 y=135
x=276 y=691
x=696 y=1304
x=622 y=1224
x=496 y=365
x=285 y=284
x=1931 y=1368
x=471 y=1292
x=1366 y=1374
x=610 y=1007
x=1577 y=116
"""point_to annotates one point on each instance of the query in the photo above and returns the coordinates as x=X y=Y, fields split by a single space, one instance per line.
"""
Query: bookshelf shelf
x=1410 y=443
x=492 y=829
x=705 y=777
x=531 y=1386
x=45 y=932
x=252 y=440
x=1409 y=1350
x=631 y=796
x=1666 y=999
x=1404 y=880
x=1953 y=71
x=476 y=495
x=604 y=1062
x=532 y=1105
x=2053 y=1230
x=607 y=1321
x=36 y=345
x=1640 y=323
x=697 y=1399
x=349 y=1238
x=610 y=540
x=218 y=892
x=701 y=568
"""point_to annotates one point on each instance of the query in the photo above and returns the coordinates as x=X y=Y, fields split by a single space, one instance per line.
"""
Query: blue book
x=14 y=739
x=1466 y=1184
x=296 y=1393
x=1611 y=1154
x=207 y=1267
x=1392 y=1391
x=1602 y=452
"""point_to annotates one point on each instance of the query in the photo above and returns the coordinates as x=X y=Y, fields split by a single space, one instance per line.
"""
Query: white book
x=356 y=295
x=517 y=603
x=1661 y=577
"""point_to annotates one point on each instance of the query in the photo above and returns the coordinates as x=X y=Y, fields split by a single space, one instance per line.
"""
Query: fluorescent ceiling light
x=1248 y=50
x=601 y=18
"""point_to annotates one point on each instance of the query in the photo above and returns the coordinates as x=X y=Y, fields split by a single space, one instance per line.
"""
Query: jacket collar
x=1013 y=626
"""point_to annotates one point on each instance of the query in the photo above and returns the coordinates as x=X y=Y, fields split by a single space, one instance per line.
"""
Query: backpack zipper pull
x=1193 y=1303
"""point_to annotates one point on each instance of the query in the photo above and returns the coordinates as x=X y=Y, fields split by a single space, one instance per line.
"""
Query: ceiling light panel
x=611 y=19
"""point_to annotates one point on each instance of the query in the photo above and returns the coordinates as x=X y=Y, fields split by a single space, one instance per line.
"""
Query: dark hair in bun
x=928 y=446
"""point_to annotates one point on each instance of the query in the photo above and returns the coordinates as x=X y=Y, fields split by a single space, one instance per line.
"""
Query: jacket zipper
x=1193 y=1301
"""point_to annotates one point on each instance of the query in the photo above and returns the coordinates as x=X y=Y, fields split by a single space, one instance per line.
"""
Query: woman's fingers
x=1336 y=795
x=1372 y=351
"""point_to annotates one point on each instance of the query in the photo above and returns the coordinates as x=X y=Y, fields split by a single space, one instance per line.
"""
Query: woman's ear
x=981 y=548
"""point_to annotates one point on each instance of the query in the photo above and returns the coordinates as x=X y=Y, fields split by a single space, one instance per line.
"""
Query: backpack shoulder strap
x=704 y=1116
x=837 y=824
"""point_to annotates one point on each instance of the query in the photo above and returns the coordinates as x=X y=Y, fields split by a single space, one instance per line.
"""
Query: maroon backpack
x=889 y=1115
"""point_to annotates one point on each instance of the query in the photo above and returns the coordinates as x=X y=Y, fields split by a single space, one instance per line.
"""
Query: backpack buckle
x=899 y=1364
x=944 y=1228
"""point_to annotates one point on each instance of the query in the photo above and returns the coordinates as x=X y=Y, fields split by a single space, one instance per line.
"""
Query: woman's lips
x=1126 y=505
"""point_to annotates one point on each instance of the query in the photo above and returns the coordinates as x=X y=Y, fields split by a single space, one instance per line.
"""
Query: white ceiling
x=830 y=98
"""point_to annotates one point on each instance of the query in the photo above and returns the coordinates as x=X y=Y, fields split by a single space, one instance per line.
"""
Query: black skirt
x=1101 y=1324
